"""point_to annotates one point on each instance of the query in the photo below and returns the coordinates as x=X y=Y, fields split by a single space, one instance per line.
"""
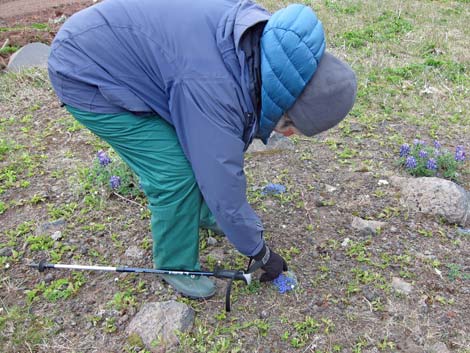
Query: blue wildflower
x=284 y=283
x=437 y=145
x=272 y=189
x=410 y=162
x=423 y=154
x=459 y=154
x=417 y=142
x=404 y=150
x=431 y=164
x=115 y=182
x=103 y=158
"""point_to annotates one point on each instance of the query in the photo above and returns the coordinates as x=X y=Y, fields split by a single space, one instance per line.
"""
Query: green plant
x=421 y=159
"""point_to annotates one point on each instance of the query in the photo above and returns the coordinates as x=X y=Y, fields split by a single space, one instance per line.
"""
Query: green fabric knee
x=149 y=145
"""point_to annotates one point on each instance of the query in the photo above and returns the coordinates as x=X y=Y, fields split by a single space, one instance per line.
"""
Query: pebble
x=57 y=235
x=6 y=252
x=211 y=241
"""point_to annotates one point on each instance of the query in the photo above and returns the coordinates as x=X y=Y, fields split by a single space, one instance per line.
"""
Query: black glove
x=272 y=263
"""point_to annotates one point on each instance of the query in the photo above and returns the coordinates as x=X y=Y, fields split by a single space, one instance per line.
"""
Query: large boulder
x=435 y=196
x=31 y=55
x=157 y=322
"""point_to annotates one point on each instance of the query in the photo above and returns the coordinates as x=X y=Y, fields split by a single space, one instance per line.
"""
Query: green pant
x=149 y=145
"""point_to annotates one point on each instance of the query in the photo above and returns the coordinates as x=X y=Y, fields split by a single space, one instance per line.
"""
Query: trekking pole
x=231 y=275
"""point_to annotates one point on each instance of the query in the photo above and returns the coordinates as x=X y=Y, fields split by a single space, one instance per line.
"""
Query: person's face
x=286 y=127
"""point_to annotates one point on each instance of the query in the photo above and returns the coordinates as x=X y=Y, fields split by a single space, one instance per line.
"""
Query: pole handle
x=234 y=275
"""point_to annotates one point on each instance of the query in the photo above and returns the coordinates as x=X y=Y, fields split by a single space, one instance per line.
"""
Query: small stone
x=345 y=242
x=366 y=227
x=438 y=347
x=401 y=286
x=277 y=142
x=57 y=235
x=330 y=188
x=263 y=314
x=211 y=241
x=382 y=182
x=48 y=278
x=134 y=252
x=6 y=252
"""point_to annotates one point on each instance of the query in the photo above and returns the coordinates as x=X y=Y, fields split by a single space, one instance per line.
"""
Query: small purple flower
x=272 y=189
x=431 y=164
x=103 y=158
x=115 y=182
x=284 y=283
x=410 y=162
x=437 y=145
x=459 y=154
x=404 y=150
x=417 y=142
x=423 y=154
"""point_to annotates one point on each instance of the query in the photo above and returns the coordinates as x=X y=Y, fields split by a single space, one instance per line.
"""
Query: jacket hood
x=292 y=45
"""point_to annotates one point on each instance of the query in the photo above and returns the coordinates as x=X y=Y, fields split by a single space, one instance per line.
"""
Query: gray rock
x=57 y=235
x=6 y=252
x=211 y=241
x=134 y=252
x=435 y=196
x=157 y=322
x=365 y=226
x=401 y=286
x=277 y=142
x=31 y=55
x=438 y=347
x=51 y=227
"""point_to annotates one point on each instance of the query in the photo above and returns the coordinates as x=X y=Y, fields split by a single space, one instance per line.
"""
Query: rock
x=157 y=322
x=31 y=55
x=6 y=252
x=438 y=347
x=366 y=227
x=401 y=286
x=57 y=235
x=330 y=188
x=51 y=227
x=277 y=142
x=345 y=242
x=435 y=196
x=211 y=241
x=134 y=252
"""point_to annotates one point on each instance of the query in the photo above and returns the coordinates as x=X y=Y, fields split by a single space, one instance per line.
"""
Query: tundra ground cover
x=412 y=63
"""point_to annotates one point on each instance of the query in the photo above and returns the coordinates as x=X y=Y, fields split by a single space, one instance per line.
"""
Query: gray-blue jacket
x=184 y=60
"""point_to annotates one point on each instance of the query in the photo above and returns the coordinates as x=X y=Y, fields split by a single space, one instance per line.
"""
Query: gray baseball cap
x=326 y=99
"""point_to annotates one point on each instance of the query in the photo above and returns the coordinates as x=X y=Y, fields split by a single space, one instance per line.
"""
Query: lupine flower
x=437 y=145
x=284 y=283
x=271 y=189
x=103 y=158
x=459 y=154
x=404 y=150
x=423 y=154
x=410 y=162
x=431 y=164
x=115 y=182
x=417 y=142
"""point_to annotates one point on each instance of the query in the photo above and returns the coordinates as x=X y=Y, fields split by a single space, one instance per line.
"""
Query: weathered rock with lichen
x=156 y=323
x=435 y=196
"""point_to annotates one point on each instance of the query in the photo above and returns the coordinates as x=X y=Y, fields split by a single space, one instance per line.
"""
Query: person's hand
x=273 y=264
